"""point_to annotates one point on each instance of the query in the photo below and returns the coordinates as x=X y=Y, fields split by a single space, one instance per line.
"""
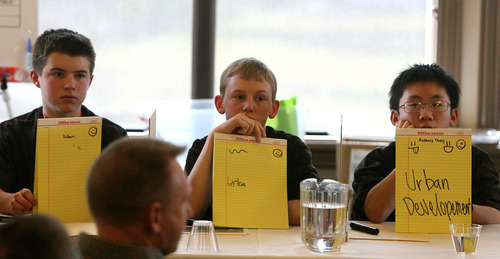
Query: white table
x=270 y=243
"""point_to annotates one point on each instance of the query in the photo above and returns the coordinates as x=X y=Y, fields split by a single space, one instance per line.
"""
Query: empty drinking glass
x=202 y=237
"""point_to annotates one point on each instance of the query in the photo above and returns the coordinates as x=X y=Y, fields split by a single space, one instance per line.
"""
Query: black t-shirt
x=381 y=161
x=17 y=147
x=299 y=163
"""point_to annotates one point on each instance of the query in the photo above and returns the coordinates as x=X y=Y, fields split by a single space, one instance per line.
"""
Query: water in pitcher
x=324 y=226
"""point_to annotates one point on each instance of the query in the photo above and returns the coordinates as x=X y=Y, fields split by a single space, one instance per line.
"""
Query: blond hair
x=249 y=68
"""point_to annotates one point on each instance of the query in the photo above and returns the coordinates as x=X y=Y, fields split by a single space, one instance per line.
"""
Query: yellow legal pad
x=249 y=182
x=433 y=179
x=65 y=150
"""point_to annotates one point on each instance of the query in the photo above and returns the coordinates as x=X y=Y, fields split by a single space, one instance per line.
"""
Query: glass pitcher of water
x=323 y=214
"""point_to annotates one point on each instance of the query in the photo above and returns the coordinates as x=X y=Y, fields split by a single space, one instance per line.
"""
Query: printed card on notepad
x=433 y=179
x=249 y=182
x=65 y=150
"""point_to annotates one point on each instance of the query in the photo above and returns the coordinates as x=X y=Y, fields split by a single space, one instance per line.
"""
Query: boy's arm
x=294 y=212
x=200 y=177
x=381 y=199
x=299 y=167
x=485 y=215
x=16 y=203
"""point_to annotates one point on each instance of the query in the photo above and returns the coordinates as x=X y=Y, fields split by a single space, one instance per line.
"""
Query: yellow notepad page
x=65 y=150
x=249 y=182
x=433 y=179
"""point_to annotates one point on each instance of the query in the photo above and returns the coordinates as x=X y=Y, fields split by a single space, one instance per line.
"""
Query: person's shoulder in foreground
x=36 y=236
x=63 y=65
x=139 y=199
x=247 y=98
x=422 y=96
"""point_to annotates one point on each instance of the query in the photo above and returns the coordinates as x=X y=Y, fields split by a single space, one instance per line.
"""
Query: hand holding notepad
x=65 y=150
x=249 y=182
x=433 y=179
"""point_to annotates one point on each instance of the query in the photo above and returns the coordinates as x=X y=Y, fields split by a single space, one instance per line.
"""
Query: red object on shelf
x=14 y=74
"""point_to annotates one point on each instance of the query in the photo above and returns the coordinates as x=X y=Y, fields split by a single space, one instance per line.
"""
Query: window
x=143 y=50
x=338 y=57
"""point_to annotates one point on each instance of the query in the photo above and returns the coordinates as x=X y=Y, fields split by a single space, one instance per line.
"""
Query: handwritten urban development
x=433 y=179
x=435 y=206
x=235 y=183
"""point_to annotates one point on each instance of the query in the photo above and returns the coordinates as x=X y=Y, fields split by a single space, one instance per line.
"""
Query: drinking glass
x=465 y=237
x=202 y=238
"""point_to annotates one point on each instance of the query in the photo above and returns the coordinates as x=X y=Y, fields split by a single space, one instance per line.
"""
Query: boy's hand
x=23 y=201
x=404 y=124
x=243 y=125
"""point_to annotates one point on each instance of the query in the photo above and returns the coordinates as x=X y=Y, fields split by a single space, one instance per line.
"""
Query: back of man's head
x=424 y=73
x=34 y=236
x=127 y=177
x=249 y=69
x=62 y=41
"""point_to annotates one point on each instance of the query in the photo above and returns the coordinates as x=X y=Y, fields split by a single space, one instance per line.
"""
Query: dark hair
x=424 y=73
x=62 y=41
x=127 y=177
x=35 y=236
x=249 y=68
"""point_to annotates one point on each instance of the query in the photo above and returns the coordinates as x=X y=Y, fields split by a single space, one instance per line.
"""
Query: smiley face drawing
x=413 y=147
x=448 y=148
x=93 y=131
x=277 y=153
x=461 y=144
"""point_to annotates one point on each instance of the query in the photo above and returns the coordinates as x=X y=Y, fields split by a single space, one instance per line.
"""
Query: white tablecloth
x=269 y=243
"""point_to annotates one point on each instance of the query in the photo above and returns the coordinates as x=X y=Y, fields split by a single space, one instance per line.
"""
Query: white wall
x=15 y=34
x=24 y=97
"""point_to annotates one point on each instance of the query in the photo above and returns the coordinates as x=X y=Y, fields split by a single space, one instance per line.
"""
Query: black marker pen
x=364 y=228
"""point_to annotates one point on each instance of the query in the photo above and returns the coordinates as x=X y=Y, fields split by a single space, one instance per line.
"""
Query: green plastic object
x=286 y=119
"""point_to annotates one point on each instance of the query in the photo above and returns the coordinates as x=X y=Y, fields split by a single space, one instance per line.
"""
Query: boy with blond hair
x=247 y=97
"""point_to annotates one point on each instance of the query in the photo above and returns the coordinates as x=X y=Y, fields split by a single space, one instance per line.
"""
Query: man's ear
x=34 y=78
x=454 y=116
x=394 y=117
x=274 y=109
x=218 y=104
x=153 y=217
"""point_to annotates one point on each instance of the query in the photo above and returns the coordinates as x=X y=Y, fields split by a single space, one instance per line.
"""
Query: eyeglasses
x=416 y=107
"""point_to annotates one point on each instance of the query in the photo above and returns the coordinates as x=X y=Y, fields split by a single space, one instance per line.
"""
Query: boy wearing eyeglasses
x=423 y=96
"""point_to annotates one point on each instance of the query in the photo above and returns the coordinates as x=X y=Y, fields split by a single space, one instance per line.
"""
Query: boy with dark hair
x=247 y=97
x=63 y=63
x=37 y=236
x=423 y=96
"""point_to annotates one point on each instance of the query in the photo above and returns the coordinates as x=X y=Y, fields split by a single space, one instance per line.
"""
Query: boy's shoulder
x=274 y=133
x=292 y=140
x=22 y=120
x=108 y=125
x=478 y=153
